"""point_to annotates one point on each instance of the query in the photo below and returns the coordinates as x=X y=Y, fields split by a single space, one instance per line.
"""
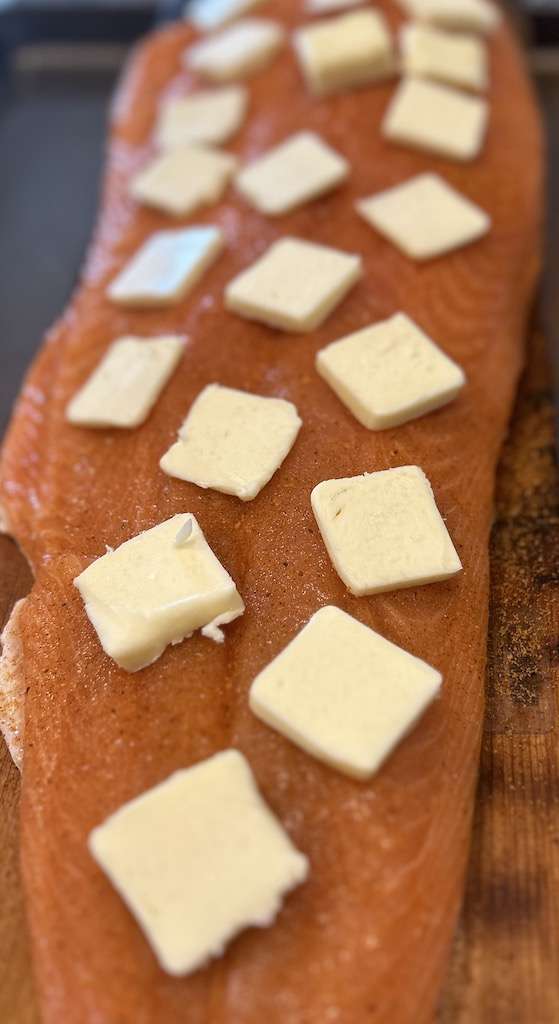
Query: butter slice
x=454 y=58
x=238 y=51
x=209 y=15
x=209 y=116
x=125 y=385
x=425 y=217
x=232 y=441
x=301 y=168
x=197 y=859
x=464 y=15
x=390 y=373
x=343 y=693
x=294 y=285
x=151 y=592
x=166 y=267
x=436 y=118
x=344 y=52
x=383 y=531
x=182 y=180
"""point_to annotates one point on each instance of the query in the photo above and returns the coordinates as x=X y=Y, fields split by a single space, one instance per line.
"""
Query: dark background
x=53 y=103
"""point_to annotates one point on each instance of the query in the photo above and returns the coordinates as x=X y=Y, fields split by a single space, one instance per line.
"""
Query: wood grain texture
x=481 y=334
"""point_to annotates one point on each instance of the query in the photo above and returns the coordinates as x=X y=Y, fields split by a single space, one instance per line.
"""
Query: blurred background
x=59 y=61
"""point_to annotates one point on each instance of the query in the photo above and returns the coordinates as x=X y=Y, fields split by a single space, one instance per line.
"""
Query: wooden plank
x=506 y=960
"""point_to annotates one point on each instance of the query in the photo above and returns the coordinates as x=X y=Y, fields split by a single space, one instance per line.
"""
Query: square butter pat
x=184 y=179
x=210 y=116
x=197 y=859
x=298 y=170
x=240 y=50
x=343 y=693
x=344 y=52
x=383 y=531
x=209 y=15
x=436 y=118
x=294 y=285
x=232 y=441
x=466 y=15
x=124 y=387
x=155 y=590
x=389 y=373
x=445 y=56
x=166 y=267
x=425 y=217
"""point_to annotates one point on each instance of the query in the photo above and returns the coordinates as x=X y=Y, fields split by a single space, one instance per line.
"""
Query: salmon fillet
x=366 y=939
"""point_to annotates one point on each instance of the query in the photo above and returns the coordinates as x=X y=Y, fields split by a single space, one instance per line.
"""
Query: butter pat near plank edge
x=343 y=693
x=182 y=180
x=389 y=373
x=437 y=119
x=192 y=894
x=425 y=217
x=205 y=117
x=383 y=531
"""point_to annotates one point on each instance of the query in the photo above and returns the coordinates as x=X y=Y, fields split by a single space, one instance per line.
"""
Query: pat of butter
x=445 y=56
x=425 y=217
x=390 y=373
x=232 y=441
x=238 y=51
x=153 y=591
x=182 y=180
x=344 y=52
x=197 y=859
x=343 y=693
x=209 y=116
x=295 y=285
x=437 y=119
x=301 y=168
x=467 y=15
x=383 y=531
x=209 y=15
x=166 y=267
x=124 y=387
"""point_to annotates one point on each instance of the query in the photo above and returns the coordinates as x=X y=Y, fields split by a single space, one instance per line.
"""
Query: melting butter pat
x=383 y=531
x=153 y=591
x=240 y=50
x=343 y=693
x=295 y=285
x=425 y=217
x=445 y=56
x=123 y=389
x=232 y=441
x=344 y=52
x=209 y=116
x=197 y=859
x=182 y=180
x=436 y=118
x=209 y=15
x=166 y=267
x=390 y=373
x=466 y=15
x=301 y=168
